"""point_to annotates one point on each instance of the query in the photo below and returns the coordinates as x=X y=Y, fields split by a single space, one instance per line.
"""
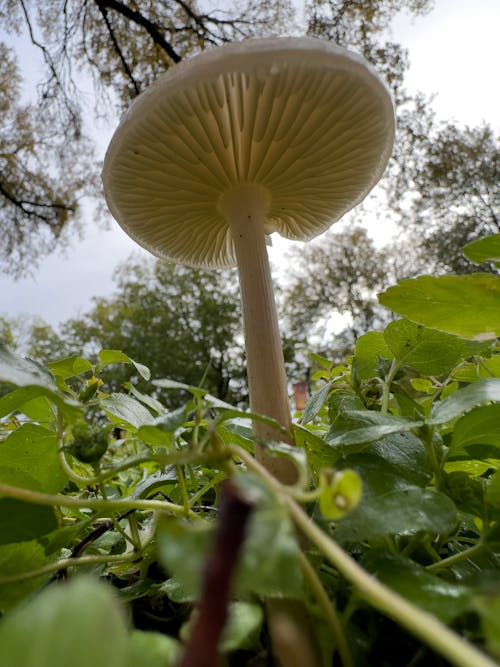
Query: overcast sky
x=454 y=53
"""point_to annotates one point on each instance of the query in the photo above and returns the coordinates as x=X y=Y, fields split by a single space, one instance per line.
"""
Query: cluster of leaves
x=398 y=454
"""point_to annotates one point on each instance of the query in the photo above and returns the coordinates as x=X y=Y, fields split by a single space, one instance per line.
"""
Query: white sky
x=454 y=53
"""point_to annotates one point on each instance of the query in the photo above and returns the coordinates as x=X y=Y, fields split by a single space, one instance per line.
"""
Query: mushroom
x=269 y=135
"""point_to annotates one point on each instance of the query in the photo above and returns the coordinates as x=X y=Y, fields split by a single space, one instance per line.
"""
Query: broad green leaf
x=23 y=372
x=18 y=559
x=126 y=410
x=70 y=367
x=428 y=351
x=483 y=250
x=152 y=649
x=107 y=357
x=315 y=403
x=444 y=599
x=468 y=306
x=480 y=426
x=23 y=522
x=378 y=425
x=29 y=457
x=466 y=399
x=75 y=624
x=149 y=401
x=484 y=367
x=406 y=455
x=398 y=512
x=369 y=349
x=153 y=435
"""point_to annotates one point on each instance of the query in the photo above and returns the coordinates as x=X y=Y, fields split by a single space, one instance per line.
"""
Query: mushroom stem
x=245 y=208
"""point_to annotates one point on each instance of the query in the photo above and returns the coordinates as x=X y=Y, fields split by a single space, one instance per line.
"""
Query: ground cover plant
x=135 y=534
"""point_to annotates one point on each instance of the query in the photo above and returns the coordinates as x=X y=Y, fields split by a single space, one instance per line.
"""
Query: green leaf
x=378 y=426
x=398 y=512
x=17 y=399
x=79 y=624
x=466 y=399
x=108 y=357
x=468 y=306
x=428 y=351
x=493 y=491
x=152 y=649
x=243 y=627
x=480 y=426
x=16 y=559
x=23 y=522
x=70 y=367
x=125 y=410
x=444 y=599
x=483 y=250
x=488 y=608
x=29 y=458
x=315 y=403
x=369 y=349
x=23 y=372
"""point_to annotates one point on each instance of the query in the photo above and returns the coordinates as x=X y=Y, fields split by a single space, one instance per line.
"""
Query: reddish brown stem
x=202 y=646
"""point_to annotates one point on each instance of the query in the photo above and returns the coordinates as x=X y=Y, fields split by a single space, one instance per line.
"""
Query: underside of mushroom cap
x=307 y=122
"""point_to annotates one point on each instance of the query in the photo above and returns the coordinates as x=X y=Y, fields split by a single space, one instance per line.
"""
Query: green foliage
x=398 y=502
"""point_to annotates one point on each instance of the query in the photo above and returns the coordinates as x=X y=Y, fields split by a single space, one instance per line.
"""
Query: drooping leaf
x=468 y=306
x=371 y=426
x=315 y=403
x=108 y=357
x=23 y=372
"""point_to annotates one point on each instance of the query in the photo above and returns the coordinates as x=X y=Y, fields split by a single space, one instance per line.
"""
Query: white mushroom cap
x=309 y=123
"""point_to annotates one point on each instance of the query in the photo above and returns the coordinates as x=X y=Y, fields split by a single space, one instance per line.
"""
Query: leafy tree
x=36 y=201
x=455 y=186
x=338 y=276
x=183 y=323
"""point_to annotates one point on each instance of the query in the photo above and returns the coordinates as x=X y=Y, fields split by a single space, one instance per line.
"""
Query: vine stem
x=26 y=495
x=456 y=558
x=386 y=391
x=64 y=563
x=329 y=611
x=420 y=623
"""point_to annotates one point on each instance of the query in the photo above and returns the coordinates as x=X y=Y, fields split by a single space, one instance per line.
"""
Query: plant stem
x=386 y=391
x=26 y=495
x=65 y=563
x=329 y=611
x=420 y=623
x=456 y=558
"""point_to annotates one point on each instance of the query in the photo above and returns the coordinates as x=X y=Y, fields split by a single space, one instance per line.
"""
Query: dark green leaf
x=468 y=306
x=399 y=512
x=315 y=403
x=23 y=522
x=16 y=559
x=378 y=425
x=444 y=599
